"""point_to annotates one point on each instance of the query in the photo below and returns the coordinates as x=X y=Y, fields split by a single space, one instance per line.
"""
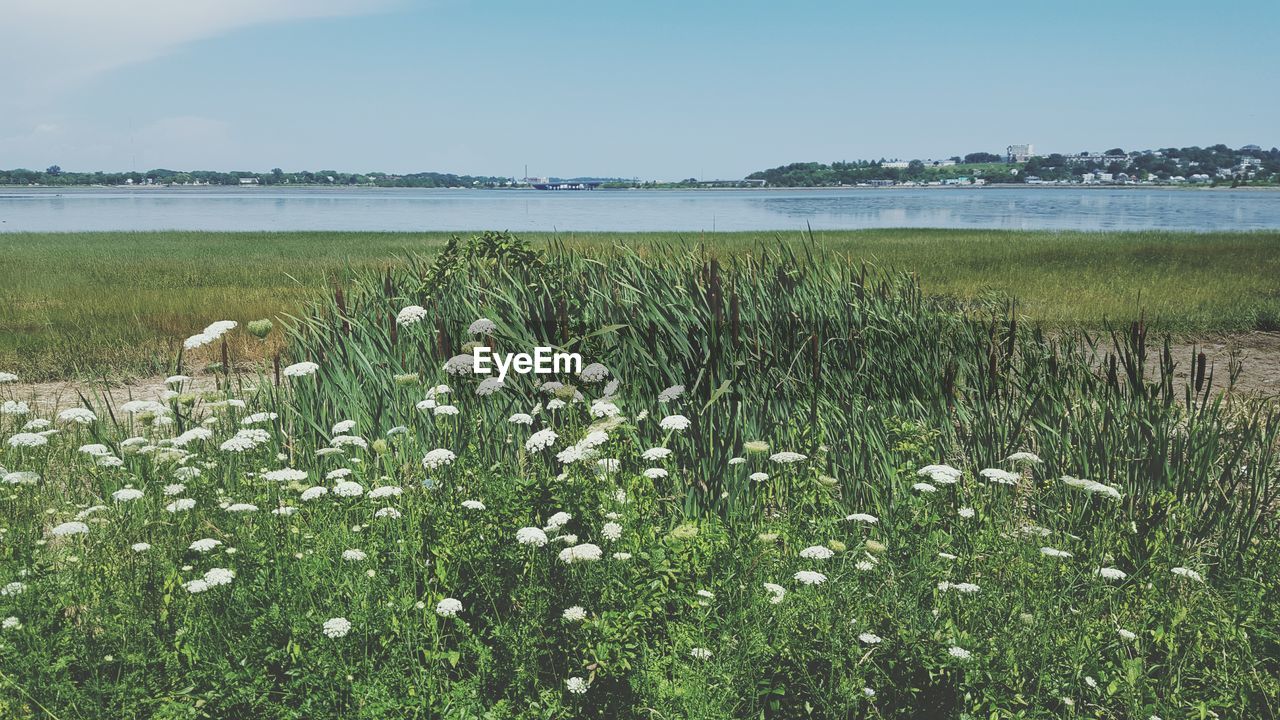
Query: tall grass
x=93 y=304
x=815 y=390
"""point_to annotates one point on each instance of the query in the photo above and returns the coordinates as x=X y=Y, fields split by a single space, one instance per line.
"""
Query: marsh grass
x=95 y=304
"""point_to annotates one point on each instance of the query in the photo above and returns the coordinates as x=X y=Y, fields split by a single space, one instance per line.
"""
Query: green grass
x=944 y=605
x=94 y=303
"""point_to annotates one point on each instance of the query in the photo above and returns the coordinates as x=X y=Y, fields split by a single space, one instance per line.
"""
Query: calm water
x=46 y=209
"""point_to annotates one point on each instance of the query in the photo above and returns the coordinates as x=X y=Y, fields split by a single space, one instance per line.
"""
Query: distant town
x=1215 y=166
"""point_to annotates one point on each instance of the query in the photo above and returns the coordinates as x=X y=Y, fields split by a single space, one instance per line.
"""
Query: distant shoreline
x=20 y=190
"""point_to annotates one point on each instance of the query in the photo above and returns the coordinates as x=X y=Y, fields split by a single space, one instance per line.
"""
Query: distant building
x=249 y=181
x=1020 y=153
x=899 y=164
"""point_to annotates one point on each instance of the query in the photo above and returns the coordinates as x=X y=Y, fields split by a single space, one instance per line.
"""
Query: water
x=1019 y=208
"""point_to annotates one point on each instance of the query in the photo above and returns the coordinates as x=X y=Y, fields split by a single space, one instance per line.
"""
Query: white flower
x=863 y=518
x=410 y=315
x=126 y=494
x=959 y=653
x=8 y=377
x=758 y=476
x=245 y=440
x=218 y=576
x=70 y=528
x=531 y=536
x=1187 y=573
x=342 y=427
x=482 y=326
x=438 y=458
x=11 y=623
x=22 y=477
x=24 y=439
x=555 y=404
x=540 y=440
x=655 y=473
x=674 y=423
x=353 y=555
x=1000 y=477
x=655 y=454
x=604 y=409
x=559 y=520
x=301 y=369
x=460 y=364
x=177 y=379
x=176 y=488
x=204 y=545
x=1025 y=458
x=13 y=588
x=870 y=638
x=1107 y=573
x=576 y=685
x=489 y=386
x=285 y=475
x=595 y=372
x=341 y=441
x=180 y=505
x=284 y=510
x=335 y=628
x=924 y=487
x=14 y=407
x=700 y=653
x=940 y=474
x=1054 y=553
x=585 y=552
x=258 y=418
x=387 y=512
x=963 y=587
x=622 y=556
x=816 y=552
x=134 y=407
x=965 y=512
x=809 y=577
x=198 y=434
x=787 y=457
x=1126 y=635
x=448 y=607
x=777 y=591
x=385 y=491
x=670 y=393
x=520 y=419
x=574 y=614
x=242 y=508
x=312 y=493
x=611 y=531
x=140 y=547
x=473 y=504
x=1092 y=487
x=347 y=488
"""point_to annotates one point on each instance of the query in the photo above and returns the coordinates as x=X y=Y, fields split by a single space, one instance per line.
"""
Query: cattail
x=391 y=323
x=1201 y=363
x=275 y=364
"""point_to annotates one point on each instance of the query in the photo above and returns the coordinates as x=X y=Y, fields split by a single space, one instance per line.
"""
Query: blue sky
x=658 y=89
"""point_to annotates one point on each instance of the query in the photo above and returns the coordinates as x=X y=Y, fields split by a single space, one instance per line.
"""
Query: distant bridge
x=569 y=185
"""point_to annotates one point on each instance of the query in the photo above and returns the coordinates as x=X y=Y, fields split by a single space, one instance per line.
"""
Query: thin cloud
x=47 y=48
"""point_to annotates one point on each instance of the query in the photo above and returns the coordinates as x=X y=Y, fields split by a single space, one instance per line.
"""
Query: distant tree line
x=1218 y=161
x=55 y=175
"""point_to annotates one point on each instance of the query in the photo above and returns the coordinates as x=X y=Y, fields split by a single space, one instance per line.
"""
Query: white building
x=1021 y=153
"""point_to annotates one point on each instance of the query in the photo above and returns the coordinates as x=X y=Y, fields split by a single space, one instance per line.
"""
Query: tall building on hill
x=1020 y=153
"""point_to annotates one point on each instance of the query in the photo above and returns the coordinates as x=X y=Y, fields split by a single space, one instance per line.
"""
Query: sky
x=654 y=90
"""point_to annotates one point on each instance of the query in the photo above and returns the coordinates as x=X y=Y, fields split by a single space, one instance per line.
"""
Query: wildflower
x=79 y=416
x=674 y=423
x=28 y=440
x=607 y=466
x=1107 y=573
x=385 y=491
x=245 y=440
x=531 y=536
x=198 y=434
x=611 y=531
x=622 y=556
x=670 y=393
x=473 y=504
x=868 y=692
x=965 y=512
x=870 y=638
x=14 y=407
x=809 y=577
x=312 y=493
x=347 y=488
x=482 y=326
x=786 y=458
x=558 y=520
x=140 y=547
x=963 y=587
x=1092 y=487
x=341 y=441
x=285 y=475
x=520 y=419
x=489 y=386
x=585 y=552
x=776 y=591
x=700 y=653
x=13 y=588
x=410 y=315
x=242 y=508
x=1024 y=458
x=353 y=555
x=924 y=487
x=438 y=458
x=576 y=685
x=180 y=505
x=604 y=409
x=959 y=653
x=1054 y=553
x=940 y=474
x=863 y=518
x=70 y=528
x=595 y=372
x=460 y=364
x=655 y=473
x=574 y=614
x=1001 y=477
x=866 y=565
x=654 y=454
x=11 y=623
x=204 y=545
x=301 y=369
x=174 y=489
x=1187 y=573
x=8 y=377
x=335 y=628
x=1126 y=635
x=758 y=476
x=816 y=552
x=737 y=461
x=218 y=576
x=448 y=607
x=258 y=418
x=22 y=477
x=540 y=440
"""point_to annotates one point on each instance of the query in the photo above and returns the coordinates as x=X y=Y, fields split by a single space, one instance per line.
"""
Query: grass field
x=781 y=488
x=87 y=304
